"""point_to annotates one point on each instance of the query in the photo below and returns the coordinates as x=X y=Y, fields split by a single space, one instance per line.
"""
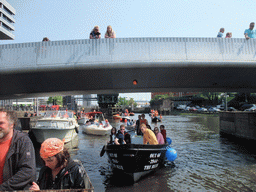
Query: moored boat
x=58 y=124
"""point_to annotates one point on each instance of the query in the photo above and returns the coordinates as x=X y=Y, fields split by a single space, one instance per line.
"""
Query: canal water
x=205 y=162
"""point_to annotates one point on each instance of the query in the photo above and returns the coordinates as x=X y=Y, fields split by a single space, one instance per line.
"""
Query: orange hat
x=51 y=147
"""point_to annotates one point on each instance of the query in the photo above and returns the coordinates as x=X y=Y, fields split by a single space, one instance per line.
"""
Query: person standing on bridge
x=220 y=34
x=95 y=34
x=110 y=33
x=46 y=39
x=17 y=157
x=250 y=33
x=228 y=35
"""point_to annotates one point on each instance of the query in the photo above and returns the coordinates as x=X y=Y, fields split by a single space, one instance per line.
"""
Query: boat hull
x=82 y=121
x=42 y=134
x=136 y=160
x=96 y=130
x=156 y=119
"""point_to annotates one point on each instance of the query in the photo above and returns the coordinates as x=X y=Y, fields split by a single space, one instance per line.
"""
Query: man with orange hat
x=17 y=156
x=60 y=171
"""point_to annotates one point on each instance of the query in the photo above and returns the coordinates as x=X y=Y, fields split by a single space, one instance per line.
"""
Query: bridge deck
x=110 y=66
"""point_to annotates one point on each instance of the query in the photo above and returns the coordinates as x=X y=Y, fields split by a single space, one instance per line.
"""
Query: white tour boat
x=58 y=124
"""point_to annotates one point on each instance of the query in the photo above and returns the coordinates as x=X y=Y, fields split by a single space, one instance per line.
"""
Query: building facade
x=6 y=21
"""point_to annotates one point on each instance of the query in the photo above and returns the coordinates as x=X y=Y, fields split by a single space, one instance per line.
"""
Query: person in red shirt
x=163 y=131
x=17 y=172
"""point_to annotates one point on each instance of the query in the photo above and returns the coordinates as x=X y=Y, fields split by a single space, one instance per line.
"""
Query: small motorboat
x=136 y=159
x=58 y=124
x=99 y=126
x=131 y=114
x=86 y=117
x=155 y=119
x=117 y=117
x=96 y=129
x=125 y=118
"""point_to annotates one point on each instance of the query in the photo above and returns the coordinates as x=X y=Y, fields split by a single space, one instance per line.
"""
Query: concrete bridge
x=111 y=65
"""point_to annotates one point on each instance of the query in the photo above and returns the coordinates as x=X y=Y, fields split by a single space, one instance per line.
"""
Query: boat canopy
x=93 y=113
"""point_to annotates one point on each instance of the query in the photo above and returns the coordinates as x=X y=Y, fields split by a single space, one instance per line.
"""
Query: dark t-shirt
x=121 y=137
x=95 y=34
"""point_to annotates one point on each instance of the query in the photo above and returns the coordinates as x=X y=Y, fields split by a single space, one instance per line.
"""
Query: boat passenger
x=106 y=123
x=129 y=123
x=163 y=131
x=17 y=156
x=91 y=120
x=159 y=136
x=122 y=136
x=66 y=115
x=149 y=127
x=112 y=136
x=138 y=125
x=148 y=135
x=143 y=120
x=60 y=171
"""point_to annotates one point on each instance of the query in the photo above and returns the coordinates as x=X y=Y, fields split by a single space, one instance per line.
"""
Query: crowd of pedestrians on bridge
x=110 y=33
x=248 y=33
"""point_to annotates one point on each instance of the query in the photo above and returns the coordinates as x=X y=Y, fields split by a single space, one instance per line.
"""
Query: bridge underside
x=105 y=80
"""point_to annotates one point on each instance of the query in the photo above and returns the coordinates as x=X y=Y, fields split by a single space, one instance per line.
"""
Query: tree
x=124 y=102
x=58 y=100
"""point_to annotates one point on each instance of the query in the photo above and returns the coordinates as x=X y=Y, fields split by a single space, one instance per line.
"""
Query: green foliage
x=122 y=101
x=59 y=100
x=213 y=97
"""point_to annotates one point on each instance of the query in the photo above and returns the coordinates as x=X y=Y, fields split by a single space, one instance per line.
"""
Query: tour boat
x=58 y=124
x=136 y=159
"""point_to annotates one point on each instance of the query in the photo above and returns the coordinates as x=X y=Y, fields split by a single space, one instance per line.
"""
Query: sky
x=74 y=19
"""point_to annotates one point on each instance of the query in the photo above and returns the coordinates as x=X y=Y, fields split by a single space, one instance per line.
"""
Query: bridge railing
x=91 y=52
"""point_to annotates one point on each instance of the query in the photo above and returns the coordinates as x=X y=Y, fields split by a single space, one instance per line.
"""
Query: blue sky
x=74 y=19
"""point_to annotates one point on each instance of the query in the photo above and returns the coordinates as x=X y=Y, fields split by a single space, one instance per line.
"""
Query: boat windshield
x=65 y=114
x=62 y=114
x=53 y=124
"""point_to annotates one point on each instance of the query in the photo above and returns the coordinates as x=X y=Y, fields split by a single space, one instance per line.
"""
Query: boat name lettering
x=155 y=155
x=119 y=167
x=128 y=155
x=152 y=161
x=147 y=167
x=112 y=154
x=114 y=160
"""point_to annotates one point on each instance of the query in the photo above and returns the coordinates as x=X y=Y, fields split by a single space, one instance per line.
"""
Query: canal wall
x=239 y=124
